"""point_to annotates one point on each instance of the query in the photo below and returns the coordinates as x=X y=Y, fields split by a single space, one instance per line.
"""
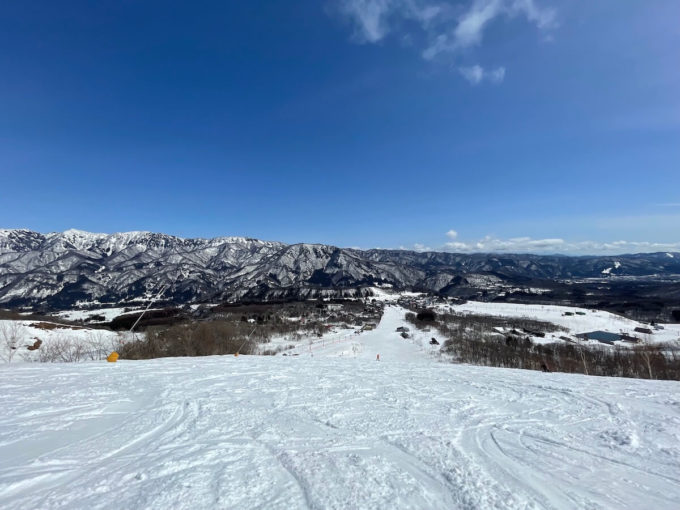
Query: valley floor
x=333 y=432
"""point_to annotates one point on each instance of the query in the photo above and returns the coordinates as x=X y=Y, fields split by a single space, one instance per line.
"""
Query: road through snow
x=329 y=432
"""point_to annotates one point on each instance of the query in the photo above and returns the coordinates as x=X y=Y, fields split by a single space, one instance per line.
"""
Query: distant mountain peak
x=60 y=269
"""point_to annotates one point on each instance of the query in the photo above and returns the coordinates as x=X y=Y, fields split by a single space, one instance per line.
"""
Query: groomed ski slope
x=384 y=341
x=333 y=431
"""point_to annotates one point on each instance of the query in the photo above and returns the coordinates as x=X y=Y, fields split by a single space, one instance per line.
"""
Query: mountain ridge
x=64 y=269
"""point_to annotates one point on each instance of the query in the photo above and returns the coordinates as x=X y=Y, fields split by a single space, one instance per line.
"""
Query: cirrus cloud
x=375 y=19
x=448 y=27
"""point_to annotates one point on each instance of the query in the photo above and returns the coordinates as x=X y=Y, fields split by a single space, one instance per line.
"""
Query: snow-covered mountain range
x=62 y=270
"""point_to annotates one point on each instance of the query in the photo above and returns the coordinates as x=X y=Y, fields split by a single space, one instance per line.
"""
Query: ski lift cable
x=155 y=298
x=147 y=307
x=131 y=330
x=245 y=341
x=114 y=355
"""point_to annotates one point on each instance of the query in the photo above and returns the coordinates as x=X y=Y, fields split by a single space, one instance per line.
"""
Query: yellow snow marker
x=113 y=357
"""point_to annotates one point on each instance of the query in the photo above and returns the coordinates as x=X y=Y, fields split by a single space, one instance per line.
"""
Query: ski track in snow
x=336 y=430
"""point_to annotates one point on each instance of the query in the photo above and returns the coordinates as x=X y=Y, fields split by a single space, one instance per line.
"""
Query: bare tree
x=62 y=349
x=582 y=353
x=10 y=335
x=646 y=356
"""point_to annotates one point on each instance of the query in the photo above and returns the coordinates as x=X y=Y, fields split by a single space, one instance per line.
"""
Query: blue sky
x=511 y=125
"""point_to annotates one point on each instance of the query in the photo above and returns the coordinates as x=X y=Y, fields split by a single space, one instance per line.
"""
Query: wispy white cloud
x=375 y=19
x=497 y=75
x=369 y=17
x=471 y=25
x=469 y=28
x=447 y=27
x=476 y=74
x=543 y=17
x=493 y=244
x=556 y=245
x=421 y=247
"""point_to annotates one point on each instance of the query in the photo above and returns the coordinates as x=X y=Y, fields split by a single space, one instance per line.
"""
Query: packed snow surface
x=384 y=341
x=330 y=432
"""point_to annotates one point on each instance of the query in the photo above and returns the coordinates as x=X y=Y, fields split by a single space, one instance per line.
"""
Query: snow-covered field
x=591 y=320
x=333 y=430
x=390 y=296
x=86 y=342
x=108 y=313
